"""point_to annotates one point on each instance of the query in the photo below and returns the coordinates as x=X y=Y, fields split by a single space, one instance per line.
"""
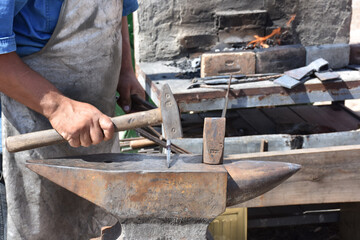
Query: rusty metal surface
x=248 y=179
x=132 y=186
x=213 y=144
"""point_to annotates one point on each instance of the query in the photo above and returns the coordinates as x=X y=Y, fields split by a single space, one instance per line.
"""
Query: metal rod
x=226 y=98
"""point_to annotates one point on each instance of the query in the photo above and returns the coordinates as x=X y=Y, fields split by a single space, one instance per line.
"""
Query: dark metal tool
x=168 y=114
x=213 y=82
x=140 y=191
x=214 y=135
x=299 y=76
x=315 y=66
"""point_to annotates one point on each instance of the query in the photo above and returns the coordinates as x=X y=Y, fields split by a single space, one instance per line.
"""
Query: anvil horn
x=249 y=179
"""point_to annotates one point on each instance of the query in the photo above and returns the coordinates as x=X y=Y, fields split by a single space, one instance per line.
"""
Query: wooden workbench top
x=246 y=95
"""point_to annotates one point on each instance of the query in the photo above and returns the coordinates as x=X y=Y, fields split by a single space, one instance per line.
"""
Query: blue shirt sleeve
x=129 y=6
x=7 y=36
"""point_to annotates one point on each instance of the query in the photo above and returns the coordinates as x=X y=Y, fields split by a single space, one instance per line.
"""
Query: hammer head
x=170 y=114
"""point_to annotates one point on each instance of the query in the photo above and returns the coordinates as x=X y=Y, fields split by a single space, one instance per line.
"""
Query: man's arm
x=81 y=124
x=128 y=83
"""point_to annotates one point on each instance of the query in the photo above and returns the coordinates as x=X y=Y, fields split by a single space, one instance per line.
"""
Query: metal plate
x=170 y=114
x=325 y=76
x=287 y=82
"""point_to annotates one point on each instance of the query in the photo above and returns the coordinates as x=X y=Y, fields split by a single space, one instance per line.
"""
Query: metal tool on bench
x=152 y=201
x=295 y=77
x=168 y=114
x=214 y=135
x=215 y=81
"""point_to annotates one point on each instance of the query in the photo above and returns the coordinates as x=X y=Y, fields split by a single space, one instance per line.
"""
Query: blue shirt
x=27 y=25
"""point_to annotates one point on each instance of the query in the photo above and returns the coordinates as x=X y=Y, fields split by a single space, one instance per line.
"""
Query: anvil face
x=134 y=186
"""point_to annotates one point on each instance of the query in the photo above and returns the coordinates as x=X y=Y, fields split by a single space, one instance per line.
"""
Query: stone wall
x=175 y=28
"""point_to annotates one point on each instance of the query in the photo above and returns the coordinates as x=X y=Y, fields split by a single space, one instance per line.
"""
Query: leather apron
x=82 y=59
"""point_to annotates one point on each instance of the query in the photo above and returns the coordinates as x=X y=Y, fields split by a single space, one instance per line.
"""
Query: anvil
x=152 y=201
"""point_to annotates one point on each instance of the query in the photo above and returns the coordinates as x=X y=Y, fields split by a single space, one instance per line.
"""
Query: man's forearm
x=21 y=83
x=128 y=83
x=79 y=123
x=126 y=62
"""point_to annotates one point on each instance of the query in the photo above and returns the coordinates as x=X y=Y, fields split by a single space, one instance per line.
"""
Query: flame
x=290 y=20
x=261 y=40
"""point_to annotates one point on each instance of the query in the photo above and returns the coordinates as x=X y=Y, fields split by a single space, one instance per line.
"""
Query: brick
x=355 y=54
x=280 y=59
x=213 y=64
x=254 y=18
x=198 y=41
x=336 y=54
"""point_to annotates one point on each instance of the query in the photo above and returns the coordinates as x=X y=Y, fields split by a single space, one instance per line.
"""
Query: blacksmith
x=61 y=63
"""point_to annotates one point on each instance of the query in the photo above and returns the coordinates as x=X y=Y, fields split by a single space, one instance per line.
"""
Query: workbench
x=154 y=75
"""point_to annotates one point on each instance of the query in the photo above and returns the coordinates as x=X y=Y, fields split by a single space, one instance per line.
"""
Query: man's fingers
x=125 y=100
x=107 y=127
x=85 y=139
x=141 y=94
x=96 y=134
x=74 y=142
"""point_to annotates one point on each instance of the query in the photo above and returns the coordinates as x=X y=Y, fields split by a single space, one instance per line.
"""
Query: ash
x=190 y=68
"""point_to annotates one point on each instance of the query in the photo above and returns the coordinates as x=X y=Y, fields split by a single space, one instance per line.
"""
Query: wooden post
x=350 y=221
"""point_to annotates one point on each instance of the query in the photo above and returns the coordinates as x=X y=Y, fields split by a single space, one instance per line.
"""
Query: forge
x=174 y=29
x=177 y=42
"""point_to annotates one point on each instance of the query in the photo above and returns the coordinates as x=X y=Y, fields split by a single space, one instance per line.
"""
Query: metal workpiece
x=315 y=66
x=326 y=76
x=289 y=82
x=152 y=201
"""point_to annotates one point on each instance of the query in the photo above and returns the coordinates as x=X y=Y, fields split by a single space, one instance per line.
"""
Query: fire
x=290 y=20
x=260 y=41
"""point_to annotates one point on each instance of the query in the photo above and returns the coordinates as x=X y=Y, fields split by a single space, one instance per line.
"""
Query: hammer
x=214 y=135
x=168 y=114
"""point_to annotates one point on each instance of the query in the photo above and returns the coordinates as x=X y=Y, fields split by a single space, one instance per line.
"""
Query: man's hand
x=128 y=85
x=81 y=124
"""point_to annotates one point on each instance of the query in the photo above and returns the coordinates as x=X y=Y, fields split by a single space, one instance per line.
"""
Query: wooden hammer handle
x=50 y=137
